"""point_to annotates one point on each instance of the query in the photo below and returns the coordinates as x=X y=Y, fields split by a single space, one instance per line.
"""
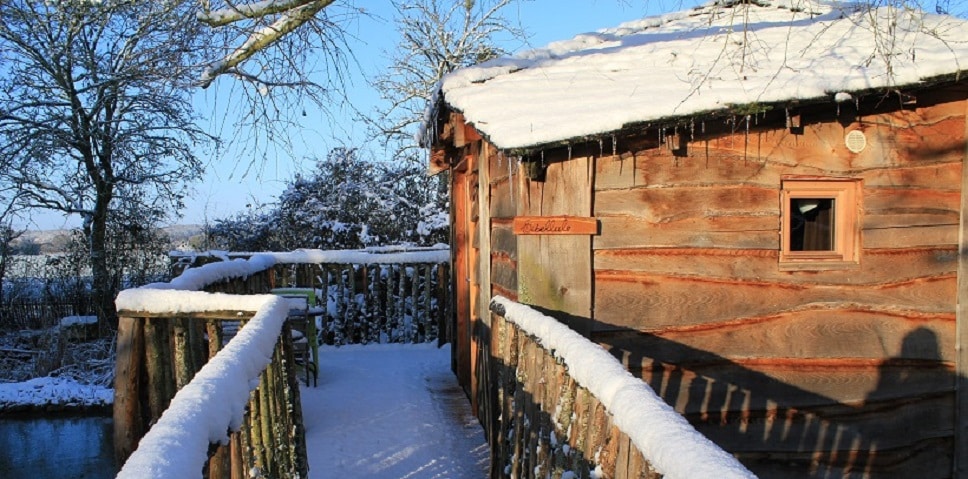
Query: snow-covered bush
x=346 y=203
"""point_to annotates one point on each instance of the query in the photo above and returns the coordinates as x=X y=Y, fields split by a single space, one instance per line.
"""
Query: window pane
x=811 y=224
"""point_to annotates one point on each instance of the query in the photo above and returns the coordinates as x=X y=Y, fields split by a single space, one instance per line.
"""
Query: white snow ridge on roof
x=711 y=58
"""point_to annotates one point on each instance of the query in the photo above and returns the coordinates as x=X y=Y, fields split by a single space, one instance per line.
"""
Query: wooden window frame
x=846 y=194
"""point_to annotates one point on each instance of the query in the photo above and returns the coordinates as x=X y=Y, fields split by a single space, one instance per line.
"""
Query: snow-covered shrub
x=346 y=203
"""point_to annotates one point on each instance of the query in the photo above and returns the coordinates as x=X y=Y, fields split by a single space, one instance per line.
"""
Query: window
x=820 y=227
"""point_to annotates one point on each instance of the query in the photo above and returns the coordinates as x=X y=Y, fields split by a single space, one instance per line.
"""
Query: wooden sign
x=555 y=225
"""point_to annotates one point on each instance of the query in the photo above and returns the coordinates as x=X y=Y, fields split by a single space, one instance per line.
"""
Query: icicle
x=601 y=147
x=614 y=145
x=692 y=128
x=542 y=159
x=703 y=125
x=838 y=109
x=746 y=138
x=511 y=179
x=569 y=151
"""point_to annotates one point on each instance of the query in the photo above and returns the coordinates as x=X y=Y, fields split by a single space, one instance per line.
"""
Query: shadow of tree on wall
x=539 y=424
x=902 y=428
x=775 y=417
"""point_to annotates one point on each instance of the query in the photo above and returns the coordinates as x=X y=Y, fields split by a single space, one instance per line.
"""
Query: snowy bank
x=53 y=394
x=663 y=436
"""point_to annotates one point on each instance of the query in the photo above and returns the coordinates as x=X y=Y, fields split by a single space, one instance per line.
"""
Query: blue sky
x=230 y=184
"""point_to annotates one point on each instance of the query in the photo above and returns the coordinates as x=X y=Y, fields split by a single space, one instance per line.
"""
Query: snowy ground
x=391 y=411
x=379 y=411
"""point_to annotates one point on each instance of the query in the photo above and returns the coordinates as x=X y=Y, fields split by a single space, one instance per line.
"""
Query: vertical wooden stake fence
x=546 y=423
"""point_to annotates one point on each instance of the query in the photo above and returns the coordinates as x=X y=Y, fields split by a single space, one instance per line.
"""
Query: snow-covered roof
x=712 y=58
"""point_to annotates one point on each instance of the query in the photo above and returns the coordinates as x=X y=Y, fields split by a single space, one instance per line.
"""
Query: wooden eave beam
x=438 y=160
x=464 y=132
x=453 y=135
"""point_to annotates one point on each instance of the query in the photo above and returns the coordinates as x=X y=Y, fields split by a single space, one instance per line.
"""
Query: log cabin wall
x=847 y=372
x=503 y=208
x=844 y=372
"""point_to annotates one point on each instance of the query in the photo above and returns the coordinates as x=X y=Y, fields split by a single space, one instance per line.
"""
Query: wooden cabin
x=757 y=206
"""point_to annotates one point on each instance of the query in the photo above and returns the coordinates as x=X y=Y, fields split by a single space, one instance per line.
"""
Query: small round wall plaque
x=856 y=141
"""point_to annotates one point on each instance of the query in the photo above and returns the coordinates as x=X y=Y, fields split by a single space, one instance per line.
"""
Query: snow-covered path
x=390 y=411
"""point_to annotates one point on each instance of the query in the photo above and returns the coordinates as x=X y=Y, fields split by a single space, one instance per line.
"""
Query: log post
x=160 y=388
x=235 y=456
x=402 y=303
x=182 y=354
x=266 y=423
x=128 y=422
x=290 y=391
x=414 y=303
x=428 y=324
x=219 y=466
x=443 y=306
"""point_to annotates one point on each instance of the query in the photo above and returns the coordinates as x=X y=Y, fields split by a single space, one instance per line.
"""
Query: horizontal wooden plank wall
x=801 y=374
x=503 y=208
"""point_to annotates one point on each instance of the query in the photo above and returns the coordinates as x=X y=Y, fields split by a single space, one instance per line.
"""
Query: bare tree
x=278 y=58
x=436 y=38
x=95 y=111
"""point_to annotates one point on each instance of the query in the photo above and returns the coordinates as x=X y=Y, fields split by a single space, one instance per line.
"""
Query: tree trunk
x=102 y=288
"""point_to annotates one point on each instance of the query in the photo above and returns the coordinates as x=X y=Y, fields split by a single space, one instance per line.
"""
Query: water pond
x=56 y=447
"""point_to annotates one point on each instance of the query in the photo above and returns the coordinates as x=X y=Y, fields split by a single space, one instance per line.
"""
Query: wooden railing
x=378 y=295
x=36 y=314
x=556 y=403
x=205 y=417
x=227 y=413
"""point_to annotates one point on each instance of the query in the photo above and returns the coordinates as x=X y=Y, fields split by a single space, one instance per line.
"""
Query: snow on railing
x=213 y=403
x=171 y=347
x=153 y=337
x=195 y=279
x=373 y=255
x=666 y=440
x=378 y=294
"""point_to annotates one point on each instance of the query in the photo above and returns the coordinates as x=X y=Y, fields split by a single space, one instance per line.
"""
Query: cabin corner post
x=960 y=463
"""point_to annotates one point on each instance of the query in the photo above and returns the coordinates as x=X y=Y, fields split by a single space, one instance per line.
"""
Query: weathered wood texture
x=460 y=240
x=961 y=330
x=502 y=202
x=158 y=355
x=554 y=272
x=800 y=373
x=545 y=424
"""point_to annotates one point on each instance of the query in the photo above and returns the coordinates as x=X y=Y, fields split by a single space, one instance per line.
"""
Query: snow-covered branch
x=260 y=39
x=261 y=9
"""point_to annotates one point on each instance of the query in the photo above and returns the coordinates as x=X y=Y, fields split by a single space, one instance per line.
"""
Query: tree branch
x=262 y=38
x=249 y=11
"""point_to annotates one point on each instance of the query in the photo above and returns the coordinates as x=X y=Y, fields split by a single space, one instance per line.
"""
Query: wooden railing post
x=128 y=422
